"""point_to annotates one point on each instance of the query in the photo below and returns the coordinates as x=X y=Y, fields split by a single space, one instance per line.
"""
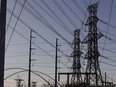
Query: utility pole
x=3 y=4
x=76 y=78
x=29 y=72
x=56 y=62
x=92 y=40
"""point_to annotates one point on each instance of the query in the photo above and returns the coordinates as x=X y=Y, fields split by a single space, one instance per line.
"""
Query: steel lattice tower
x=93 y=68
x=76 y=78
x=19 y=82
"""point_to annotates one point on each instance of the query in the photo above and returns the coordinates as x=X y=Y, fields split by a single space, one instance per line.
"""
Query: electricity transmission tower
x=34 y=84
x=19 y=82
x=76 y=78
x=93 y=68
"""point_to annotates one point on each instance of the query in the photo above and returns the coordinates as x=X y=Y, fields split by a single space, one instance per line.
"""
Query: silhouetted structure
x=76 y=78
x=93 y=53
x=2 y=39
x=19 y=82
x=34 y=84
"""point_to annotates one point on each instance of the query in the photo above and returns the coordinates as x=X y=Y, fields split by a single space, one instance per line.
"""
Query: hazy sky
x=50 y=21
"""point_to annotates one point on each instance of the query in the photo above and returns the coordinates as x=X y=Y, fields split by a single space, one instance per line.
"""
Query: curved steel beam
x=32 y=72
x=27 y=70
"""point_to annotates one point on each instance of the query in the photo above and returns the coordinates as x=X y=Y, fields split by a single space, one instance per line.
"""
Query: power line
x=18 y=32
x=39 y=47
x=102 y=21
x=47 y=24
x=60 y=22
x=56 y=15
x=28 y=39
x=107 y=50
x=108 y=24
x=114 y=41
x=64 y=13
x=11 y=16
x=51 y=28
x=107 y=64
x=107 y=32
x=72 y=11
x=16 y=23
x=78 y=6
x=108 y=59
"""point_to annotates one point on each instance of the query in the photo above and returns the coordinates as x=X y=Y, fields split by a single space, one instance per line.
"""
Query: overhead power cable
x=102 y=21
x=48 y=7
x=78 y=6
x=36 y=44
x=107 y=64
x=59 y=21
x=108 y=58
x=107 y=33
x=107 y=50
x=44 y=21
x=111 y=39
x=108 y=25
x=15 y=24
x=11 y=15
x=51 y=44
x=64 y=13
x=18 y=32
x=52 y=28
x=33 y=30
x=72 y=11
x=114 y=41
